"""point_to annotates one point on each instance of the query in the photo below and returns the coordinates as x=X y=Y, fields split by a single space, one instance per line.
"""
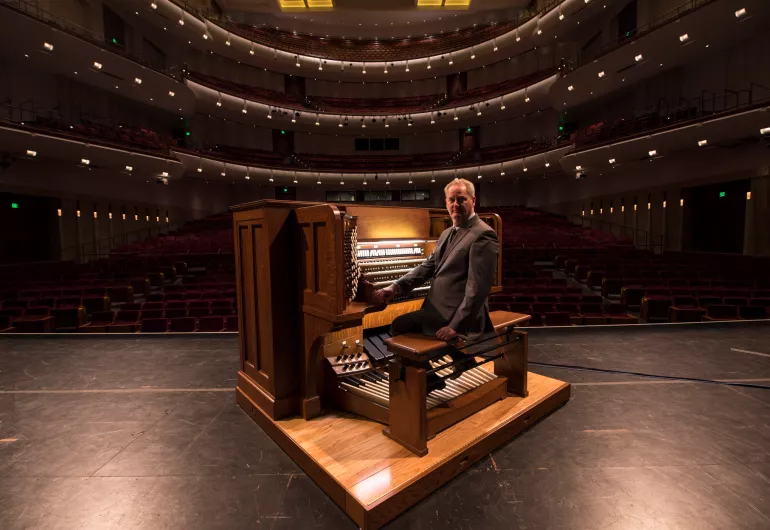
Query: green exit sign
x=722 y=194
x=15 y=205
x=286 y=190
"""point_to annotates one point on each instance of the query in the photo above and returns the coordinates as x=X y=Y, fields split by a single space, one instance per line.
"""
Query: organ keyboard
x=313 y=267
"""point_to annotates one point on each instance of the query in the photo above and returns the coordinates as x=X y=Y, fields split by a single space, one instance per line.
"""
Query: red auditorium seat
x=655 y=309
x=73 y=301
x=631 y=297
x=721 y=312
x=5 y=325
x=182 y=325
x=557 y=319
x=211 y=324
x=95 y=304
x=126 y=321
x=154 y=325
x=34 y=324
x=618 y=315
x=753 y=312
x=231 y=323
x=68 y=319
x=42 y=311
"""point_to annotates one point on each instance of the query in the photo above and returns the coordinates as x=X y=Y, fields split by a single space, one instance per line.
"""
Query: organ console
x=314 y=345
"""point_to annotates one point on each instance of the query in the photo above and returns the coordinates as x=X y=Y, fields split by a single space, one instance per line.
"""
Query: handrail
x=693 y=110
x=683 y=9
x=640 y=238
x=34 y=11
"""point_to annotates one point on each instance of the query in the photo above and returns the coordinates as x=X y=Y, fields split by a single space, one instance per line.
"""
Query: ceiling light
x=251 y=51
x=578 y=168
x=601 y=74
x=524 y=170
x=227 y=42
x=478 y=113
x=245 y=111
x=561 y=16
x=701 y=143
x=638 y=58
x=223 y=174
x=748 y=195
x=200 y=170
x=652 y=152
x=164 y=174
x=293 y=119
x=740 y=13
x=611 y=160
x=502 y=173
x=540 y=32
x=30 y=152
x=138 y=81
x=526 y=100
x=85 y=161
x=97 y=65
x=547 y=164
x=570 y=88
x=518 y=38
x=684 y=38
x=181 y=22
x=129 y=168
x=219 y=103
x=205 y=36
x=765 y=130
x=171 y=93
x=48 y=46
x=154 y=5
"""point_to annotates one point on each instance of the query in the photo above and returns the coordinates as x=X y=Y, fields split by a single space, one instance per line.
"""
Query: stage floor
x=145 y=433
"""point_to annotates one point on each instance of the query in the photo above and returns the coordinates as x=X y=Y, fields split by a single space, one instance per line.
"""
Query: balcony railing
x=34 y=11
x=640 y=238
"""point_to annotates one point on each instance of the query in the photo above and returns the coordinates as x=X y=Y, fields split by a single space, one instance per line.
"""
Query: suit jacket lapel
x=461 y=233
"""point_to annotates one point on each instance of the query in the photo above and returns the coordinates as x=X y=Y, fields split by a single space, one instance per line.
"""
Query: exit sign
x=722 y=194
x=15 y=205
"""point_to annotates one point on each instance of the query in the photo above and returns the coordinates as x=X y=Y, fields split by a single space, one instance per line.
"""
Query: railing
x=640 y=238
x=676 y=13
x=34 y=11
x=102 y=247
x=665 y=114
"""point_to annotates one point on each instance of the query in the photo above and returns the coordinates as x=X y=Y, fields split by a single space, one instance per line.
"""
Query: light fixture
x=407 y=65
x=244 y=110
x=320 y=65
x=701 y=143
x=58 y=212
x=524 y=170
x=451 y=59
x=364 y=68
x=147 y=218
x=153 y=5
x=578 y=168
x=432 y=119
x=164 y=174
x=48 y=46
x=77 y=212
x=171 y=93
x=473 y=52
x=561 y=16
x=296 y=60
x=684 y=38
x=638 y=58
x=634 y=207
x=455 y=118
x=478 y=112
x=271 y=176
x=223 y=173
x=96 y=215
x=316 y=120
x=494 y=44
x=611 y=160
x=526 y=99
x=765 y=130
x=138 y=80
x=85 y=161
x=386 y=122
x=433 y=176
x=181 y=22
x=219 y=103
x=740 y=13
x=649 y=205
x=570 y=88
x=205 y=36
x=652 y=152
x=200 y=170
x=97 y=65
x=251 y=50
x=547 y=164
x=539 y=31
x=129 y=168
x=681 y=202
x=30 y=152
x=429 y=66
x=601 y=74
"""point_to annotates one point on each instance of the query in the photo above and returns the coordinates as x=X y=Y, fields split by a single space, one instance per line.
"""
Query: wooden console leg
x=407 y=411
x=513 y=365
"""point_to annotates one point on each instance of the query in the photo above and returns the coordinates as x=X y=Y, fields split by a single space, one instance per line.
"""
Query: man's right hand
x=384 y=296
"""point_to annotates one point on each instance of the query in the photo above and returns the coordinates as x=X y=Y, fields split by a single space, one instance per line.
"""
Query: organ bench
x=322 y=376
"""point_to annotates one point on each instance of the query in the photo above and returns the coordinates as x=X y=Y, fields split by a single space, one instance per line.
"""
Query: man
x=461 y=270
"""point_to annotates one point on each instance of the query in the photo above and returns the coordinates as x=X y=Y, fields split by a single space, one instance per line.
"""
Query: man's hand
x=446 y=334
x=384 y=296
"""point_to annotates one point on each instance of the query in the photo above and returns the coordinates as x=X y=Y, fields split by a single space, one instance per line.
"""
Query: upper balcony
x=426 y=59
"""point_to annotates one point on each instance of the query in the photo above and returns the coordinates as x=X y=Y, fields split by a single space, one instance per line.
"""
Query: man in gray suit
x=461 y=270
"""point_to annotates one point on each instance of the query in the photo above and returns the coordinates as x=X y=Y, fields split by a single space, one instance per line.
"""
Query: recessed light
x=181 y=22
x=601 y=74
x=740 y=13
x=154 y=5
x=48 y=46
x=524 y=170
x=85 y=161
x=129 y=168
x=638 y=58
x=171 y=93
x=164 y=174
x=223 y=174
x=30 y=152
x=578 y=168
x=219 y=103
x=652 y=152
x=97 y=65
x=701 y=143
x=611 y=160
x=570 y=88
x=547 y=164
x=526 y=100
x=684 y=38
x=138 y=81
x=765 y=130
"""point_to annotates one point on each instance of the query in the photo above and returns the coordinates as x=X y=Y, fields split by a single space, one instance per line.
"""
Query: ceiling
x=371 y=18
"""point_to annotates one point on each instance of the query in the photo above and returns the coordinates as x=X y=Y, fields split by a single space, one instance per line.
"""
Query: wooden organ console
x=315 y=349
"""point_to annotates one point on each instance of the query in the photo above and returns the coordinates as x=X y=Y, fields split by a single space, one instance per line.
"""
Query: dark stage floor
x=145 y=433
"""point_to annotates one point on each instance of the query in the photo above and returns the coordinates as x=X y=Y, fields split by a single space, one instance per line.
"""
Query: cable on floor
x=653 y=376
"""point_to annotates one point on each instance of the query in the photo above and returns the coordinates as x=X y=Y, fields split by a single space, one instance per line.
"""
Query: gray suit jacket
x=461 y=277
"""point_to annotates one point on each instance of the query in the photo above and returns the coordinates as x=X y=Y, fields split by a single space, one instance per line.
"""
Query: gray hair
x=469 y=187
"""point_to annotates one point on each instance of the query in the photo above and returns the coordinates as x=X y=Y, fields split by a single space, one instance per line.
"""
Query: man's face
x=459 y=204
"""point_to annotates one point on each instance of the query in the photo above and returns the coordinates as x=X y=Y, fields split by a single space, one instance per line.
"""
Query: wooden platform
x=374 y=479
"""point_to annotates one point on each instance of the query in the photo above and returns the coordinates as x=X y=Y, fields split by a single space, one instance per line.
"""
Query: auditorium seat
x=122 y=293
x=152 y=313
x=68 y=319
x=40 y=302
x=95 y=304
x=40 y=311
x=154 y=325
x=721 y=312
x=655 y=309
x=72 y=301
x=231 y=323
x=618 y=314
x=705 y=301
x=752 y=312
x=685 y=314
x=182 y=325
x=12 y=312
x=131 y=306
x=34 y=324
x=557 y=319
x=5 y=325
x=573 y=310
x=631 y=297
x=731 y=300
x=126 y=321
x=211 y=324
